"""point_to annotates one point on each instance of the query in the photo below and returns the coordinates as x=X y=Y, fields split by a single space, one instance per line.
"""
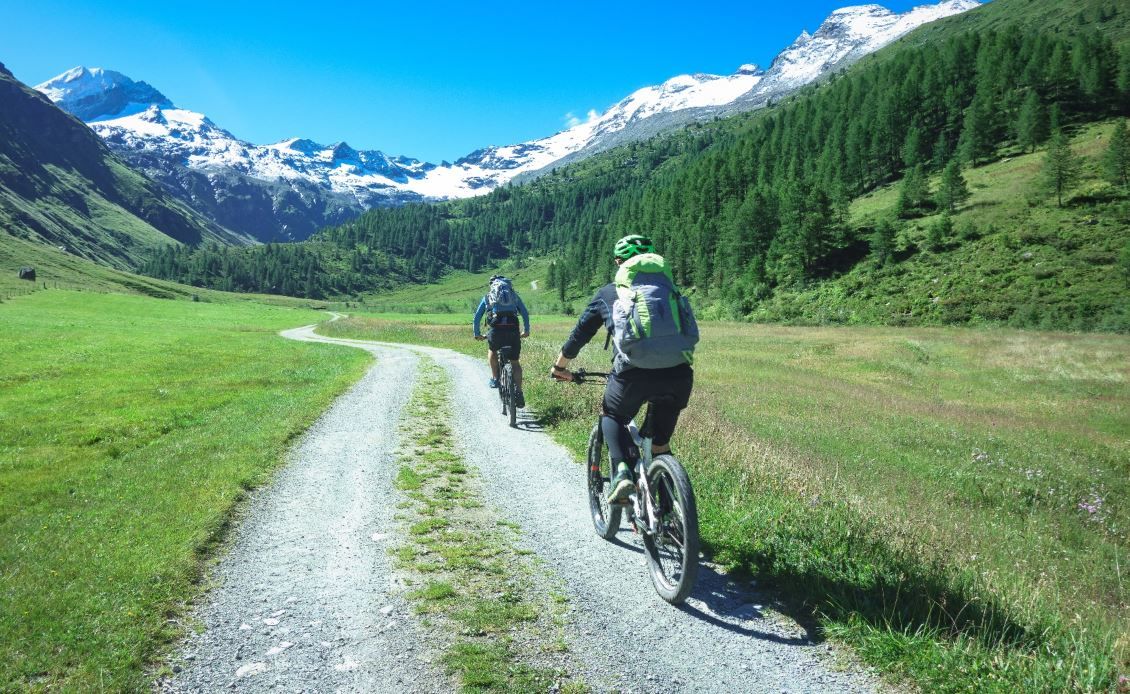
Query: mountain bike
x=507 y=390
x=662 y=510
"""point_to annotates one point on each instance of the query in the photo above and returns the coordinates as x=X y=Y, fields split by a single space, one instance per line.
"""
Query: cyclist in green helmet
x=629 y=387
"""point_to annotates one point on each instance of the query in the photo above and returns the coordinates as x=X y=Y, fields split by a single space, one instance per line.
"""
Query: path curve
x=305 y=599
x=724 y=639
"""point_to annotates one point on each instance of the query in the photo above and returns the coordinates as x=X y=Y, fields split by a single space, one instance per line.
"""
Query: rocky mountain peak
x=95 y=94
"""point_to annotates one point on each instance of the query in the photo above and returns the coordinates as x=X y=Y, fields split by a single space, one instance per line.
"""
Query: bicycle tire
x=598 y=470
x=511 y=396
x=502 y=387
x=672 y=554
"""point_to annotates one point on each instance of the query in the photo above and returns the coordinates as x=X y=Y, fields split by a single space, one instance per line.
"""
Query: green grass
x=917 y=491
x=1015 y=259
x=131 y=428
x=490 y=627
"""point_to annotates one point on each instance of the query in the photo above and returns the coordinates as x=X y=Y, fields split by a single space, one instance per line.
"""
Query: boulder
x=27 y=273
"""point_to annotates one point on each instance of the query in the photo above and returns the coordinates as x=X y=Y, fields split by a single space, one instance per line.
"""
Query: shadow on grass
x=892 y=596
x=720 y=600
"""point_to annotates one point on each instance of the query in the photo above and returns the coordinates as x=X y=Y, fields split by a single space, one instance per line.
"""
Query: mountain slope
x=754 y=207
x=59 y=184
x=287 y=190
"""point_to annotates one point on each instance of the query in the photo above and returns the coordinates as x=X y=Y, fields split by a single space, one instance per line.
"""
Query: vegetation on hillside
x=757 y=207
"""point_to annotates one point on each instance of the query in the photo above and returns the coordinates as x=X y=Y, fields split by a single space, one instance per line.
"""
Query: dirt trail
x=307 y=549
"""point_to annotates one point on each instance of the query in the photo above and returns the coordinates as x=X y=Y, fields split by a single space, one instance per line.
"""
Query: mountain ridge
x=287 y=190
x=61 y=185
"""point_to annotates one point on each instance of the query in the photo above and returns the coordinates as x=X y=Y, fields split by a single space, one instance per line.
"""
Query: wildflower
x=1093 y=506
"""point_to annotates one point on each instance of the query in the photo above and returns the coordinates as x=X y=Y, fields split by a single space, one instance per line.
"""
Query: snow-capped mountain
x=289 y=189
x=95 y=93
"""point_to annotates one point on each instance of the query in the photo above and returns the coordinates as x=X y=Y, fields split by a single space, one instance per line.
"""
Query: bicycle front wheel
x=598 y=470
x=672 y=551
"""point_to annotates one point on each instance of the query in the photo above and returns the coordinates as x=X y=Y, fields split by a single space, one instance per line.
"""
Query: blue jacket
x=504 y=320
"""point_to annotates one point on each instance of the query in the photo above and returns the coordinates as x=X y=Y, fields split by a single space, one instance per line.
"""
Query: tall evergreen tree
x=1032 y=126
x=977 y=140
x=883 y=241
x=940 y=233
x=912 y=146
x=1061 y=166
x=1116 y=159
x=952 y=190
x=914 y=194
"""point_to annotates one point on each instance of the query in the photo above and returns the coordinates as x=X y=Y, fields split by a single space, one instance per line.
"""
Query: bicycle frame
x=643 y=444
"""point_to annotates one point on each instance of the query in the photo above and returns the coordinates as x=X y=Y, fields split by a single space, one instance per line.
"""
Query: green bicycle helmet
x=632 y=245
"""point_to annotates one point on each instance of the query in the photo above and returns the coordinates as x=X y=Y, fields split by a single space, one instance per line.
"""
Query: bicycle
x=662 y=510
x=507 y=390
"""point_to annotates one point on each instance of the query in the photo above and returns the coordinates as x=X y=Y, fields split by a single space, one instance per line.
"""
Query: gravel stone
x=305 y=541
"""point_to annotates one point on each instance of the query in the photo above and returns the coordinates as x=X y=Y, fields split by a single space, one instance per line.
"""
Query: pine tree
x=1123 y=82
x=1061 y=166
x=976 y=133
x=914 y=193
x=1116 y=159
x=952 y=191
x=912 y=147
x=940 y=233
x=883 y=241
x=1032 y=126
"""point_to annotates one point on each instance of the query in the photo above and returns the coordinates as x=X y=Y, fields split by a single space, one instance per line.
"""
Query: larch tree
x=1061 y=166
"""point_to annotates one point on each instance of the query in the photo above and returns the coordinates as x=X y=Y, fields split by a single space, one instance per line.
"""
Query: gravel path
x=307 y=549
x=305 y=599
x=725 y=639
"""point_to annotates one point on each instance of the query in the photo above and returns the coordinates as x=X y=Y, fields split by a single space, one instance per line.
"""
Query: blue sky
x=431 y=80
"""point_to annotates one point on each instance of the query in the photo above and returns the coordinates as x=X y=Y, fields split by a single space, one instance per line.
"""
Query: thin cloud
x=572 y=121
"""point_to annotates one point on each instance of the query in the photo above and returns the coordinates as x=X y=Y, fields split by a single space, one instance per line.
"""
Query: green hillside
x=1111 y=17
x=57 y=269
x=61 y=186
x=755 y=210
x=1012 y=257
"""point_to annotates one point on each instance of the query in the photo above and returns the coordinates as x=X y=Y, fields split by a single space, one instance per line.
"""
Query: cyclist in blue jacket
x=502 y=331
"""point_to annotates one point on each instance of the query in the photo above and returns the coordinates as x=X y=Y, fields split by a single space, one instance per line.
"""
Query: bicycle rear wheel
x=502 y=387
x=511 y=395
x=598 y=471
x=672 y=552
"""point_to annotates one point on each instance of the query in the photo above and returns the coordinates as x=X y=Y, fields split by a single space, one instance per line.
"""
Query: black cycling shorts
x=627 y=392
x=503 y=337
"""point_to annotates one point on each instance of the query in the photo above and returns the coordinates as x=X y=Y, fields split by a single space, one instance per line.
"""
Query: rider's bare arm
x=560 y=369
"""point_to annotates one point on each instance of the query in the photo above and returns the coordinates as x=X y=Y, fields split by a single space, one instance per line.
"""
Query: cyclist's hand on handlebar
x=561 y=374
x=480 y=337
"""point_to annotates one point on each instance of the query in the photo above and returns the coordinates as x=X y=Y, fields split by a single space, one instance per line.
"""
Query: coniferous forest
x=749 y=206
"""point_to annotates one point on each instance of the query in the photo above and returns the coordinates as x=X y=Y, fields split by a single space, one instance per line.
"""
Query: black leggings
x=626 y=393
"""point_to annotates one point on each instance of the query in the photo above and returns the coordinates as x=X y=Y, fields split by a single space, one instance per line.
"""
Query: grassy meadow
x=130 y=428
x=951 y=502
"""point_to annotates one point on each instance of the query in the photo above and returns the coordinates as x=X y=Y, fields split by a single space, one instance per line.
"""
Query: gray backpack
x=653 y=326
x=501 y=298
